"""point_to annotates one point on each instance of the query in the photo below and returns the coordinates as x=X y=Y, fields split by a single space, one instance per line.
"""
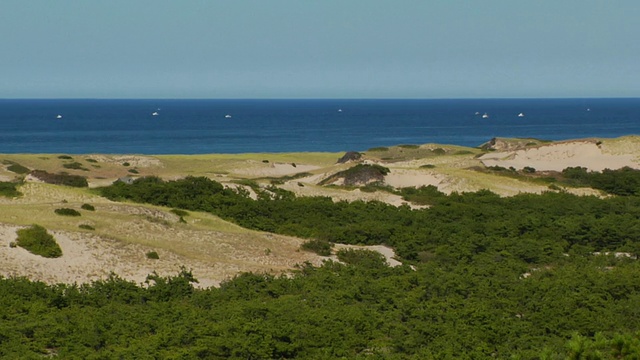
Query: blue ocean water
x=201 y=126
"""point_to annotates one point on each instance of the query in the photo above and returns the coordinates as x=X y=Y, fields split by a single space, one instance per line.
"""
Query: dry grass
x=214 y=249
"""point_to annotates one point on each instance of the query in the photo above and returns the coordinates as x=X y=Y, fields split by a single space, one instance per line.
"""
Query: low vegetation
x=88 y=207
x=360 y=174
x=532 y=276
x=67 y=212
x=18 y=169
x=37 y=240
x=60 y=179
x=75 y=166
x=622 y=182
x=9 y=189
x=320 y=247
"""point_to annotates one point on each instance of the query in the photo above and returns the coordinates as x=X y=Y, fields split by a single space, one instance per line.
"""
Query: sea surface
x=240 y=126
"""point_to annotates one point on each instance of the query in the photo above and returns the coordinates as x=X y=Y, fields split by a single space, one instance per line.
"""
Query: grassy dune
x=215 y=249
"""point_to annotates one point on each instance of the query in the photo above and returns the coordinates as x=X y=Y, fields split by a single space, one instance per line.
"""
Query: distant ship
x=477 y=113
x=155 y=113
x=339 y=110
x=521 y=115
x=59 y=117
x=227 y=116
x=485 y=116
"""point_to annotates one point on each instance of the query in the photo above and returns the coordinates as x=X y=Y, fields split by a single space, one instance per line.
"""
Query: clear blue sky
x=319 y=49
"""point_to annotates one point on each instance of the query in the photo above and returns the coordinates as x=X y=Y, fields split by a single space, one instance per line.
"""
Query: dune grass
x=38 y=241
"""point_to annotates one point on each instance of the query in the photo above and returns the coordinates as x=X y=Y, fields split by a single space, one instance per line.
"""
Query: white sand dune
x=558 y=156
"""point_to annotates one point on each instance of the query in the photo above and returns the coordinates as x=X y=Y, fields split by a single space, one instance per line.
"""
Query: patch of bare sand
x=133 y=160
x=400 y=178
x=560 y=155
x=88 y=258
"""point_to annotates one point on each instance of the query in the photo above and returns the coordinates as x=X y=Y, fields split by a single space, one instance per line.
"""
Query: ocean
x=87 y=126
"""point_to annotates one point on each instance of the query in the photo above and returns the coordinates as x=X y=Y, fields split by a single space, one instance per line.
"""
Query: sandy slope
x=558 y=156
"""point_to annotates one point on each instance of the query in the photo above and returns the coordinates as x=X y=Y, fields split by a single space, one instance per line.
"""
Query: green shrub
x=37 y=240
x=88 y=207
x=86 y=227
x=361 y=173
x=18 y=169
x=153 y=255
x=9 y=189
x=364 y=258
x=67 y=212
x=379 y=148
x=320 y=247
x=65 y=157
x=409 y=146
x=427 y=166
x=74 y=166
x=134 y=171
x=180 y=212
x=463 y=152
x=91 y=160
x=439 y=151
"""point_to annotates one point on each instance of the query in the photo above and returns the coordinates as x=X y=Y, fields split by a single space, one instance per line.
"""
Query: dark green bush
x=180 y=212
x=18 y=169
x=67 y=212
x=153 y=255
x=74 y=166
x=9 y=189
x=409 y=146
x=125 y=164
x=91 y=160
x=379 y=148
x=88 y=207
x=364 y=258
x=320 y=247
x=37 y=240
x=133 y=171
x=65 y=157
x=86 y=227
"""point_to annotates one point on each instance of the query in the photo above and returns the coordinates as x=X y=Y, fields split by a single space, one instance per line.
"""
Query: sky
x=319 y=49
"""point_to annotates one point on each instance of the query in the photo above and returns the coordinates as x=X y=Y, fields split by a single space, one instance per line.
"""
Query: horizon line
x=321 y=98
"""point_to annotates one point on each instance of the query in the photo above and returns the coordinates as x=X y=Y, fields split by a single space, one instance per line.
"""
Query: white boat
x=521 y=115
x=227 y=116
x=477 y=113
x=155 y=113
x=339 y=110
x=59 y=117
x=485 y=116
